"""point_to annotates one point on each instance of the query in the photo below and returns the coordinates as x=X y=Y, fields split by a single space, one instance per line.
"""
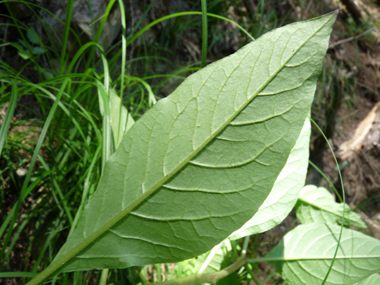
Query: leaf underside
x=200 y=163
x=372 y=280
x=317 y=205
x=307 y=251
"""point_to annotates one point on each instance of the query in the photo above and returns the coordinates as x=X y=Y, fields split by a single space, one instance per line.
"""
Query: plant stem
x=344 y=201
x=8 y=117
x=147 y=27
x=204 y=33
x=327 y=179
x=206 y=278
x=253 y=276
x=142 y=274
x=245 y=246
x=123 y=58
x=103 y=277
x=69 y=12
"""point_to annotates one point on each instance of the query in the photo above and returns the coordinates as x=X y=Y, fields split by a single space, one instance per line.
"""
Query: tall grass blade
x=8 y=116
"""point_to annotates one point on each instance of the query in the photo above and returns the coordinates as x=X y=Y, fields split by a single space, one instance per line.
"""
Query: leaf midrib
x=312 y=258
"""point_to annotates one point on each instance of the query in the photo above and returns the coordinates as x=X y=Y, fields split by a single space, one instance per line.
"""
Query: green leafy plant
x=24 y=47
x=223 y=157
x=305 y=255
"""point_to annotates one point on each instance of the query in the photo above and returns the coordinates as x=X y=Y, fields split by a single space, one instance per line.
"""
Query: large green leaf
x=317 y=205
x=200 y=163
x=305 y=255
x=285 y=192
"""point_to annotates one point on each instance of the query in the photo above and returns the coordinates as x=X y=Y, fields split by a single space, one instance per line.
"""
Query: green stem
x=123 y=59
x=326 y=178
x=206 y=278
x=253 y=276
x=142 y=274
x=204 y=33
x=245 y=246
x=103 y=277
x=8 y=116
x=69 y=12
x=344 y=202
x=147 y=27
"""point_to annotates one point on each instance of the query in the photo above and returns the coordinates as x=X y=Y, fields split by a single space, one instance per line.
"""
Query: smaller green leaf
x=372 y=280
x=317 y=205
x=23 y=43
x=32 y=36
x=38 y=50
x=24 y=54
x=305 y=254
x=120 y=123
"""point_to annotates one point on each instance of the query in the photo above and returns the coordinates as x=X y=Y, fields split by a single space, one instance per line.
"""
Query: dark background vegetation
x=347 y=91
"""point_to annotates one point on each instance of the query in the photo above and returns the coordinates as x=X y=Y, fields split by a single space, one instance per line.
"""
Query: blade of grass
x=204 y=33
x=62 y=200
x=85 y=190
x=8 y=116
x=17 y=274
x=123 y=59
x=147 y=27
x=21 y=225
x=100 y=29
x=69 y=11
x=327 y=179
x=57 y=227
x=150 y=25
x=344 y=201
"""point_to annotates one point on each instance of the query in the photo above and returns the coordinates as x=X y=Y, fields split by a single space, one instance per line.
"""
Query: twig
x=351 y=38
